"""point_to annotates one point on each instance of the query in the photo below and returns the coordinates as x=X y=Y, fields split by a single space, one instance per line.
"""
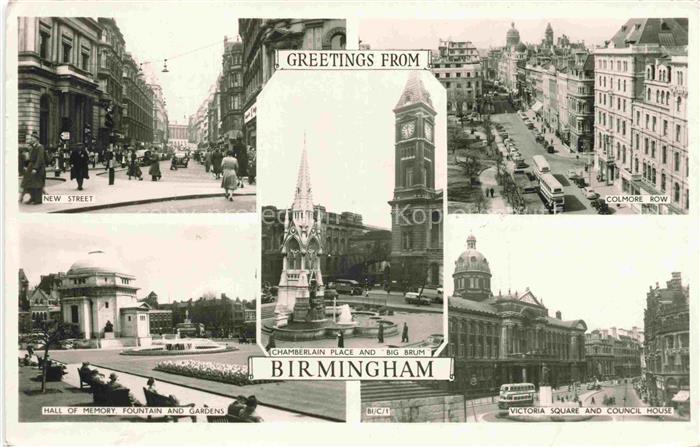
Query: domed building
x=512 y=36
x=472 y=276
x=99 y=296
x=508 y=337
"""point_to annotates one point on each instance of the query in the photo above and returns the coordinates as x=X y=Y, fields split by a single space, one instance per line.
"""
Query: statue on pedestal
x=109 y=327
x=544 y=378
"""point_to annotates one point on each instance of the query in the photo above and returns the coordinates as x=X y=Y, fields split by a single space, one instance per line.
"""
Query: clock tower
x=416 y=209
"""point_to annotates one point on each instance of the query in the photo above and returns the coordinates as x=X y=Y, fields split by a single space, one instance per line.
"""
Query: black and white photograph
x=106 y=321
x=352 y=219
x=116 y=118
x=553 y=116
x=537 y=319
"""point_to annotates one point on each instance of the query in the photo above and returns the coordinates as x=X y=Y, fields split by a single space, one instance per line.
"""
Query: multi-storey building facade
x=160 y=116
x=614 y=353
x=178 y=135
x=231 y=102
x=666 y=346
x=580 y=97
x=599 y=356
x=338 y=231
x=137 y=120
x=459 y=70
x=619 y=82
x=213 y=114
x=506 y=338
x=660 y=133
x=58 y=79
x=261 y=37
x=109 y=70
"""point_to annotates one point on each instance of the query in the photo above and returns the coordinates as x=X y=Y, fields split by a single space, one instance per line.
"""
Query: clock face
x=407 y=129
x=428 y=131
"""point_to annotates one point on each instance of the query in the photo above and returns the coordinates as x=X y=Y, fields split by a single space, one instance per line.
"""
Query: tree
x=51 y=333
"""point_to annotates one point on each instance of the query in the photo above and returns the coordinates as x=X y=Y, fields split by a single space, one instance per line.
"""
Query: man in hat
x=79 y=171
x=34 y=178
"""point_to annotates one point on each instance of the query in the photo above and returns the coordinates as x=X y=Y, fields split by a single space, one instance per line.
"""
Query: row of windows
x=621 y=84
x=664 y=98
x=461 y=85
x=664 y=74
x=473 y=283
x=613 y=65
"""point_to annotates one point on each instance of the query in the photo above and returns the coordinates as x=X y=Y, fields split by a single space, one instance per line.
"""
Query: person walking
x=341 y=339
x=404 y=333
x=34 y=178
x=173 y=162
x=216 y=159
x=380 y=333
x=207 y=161
x=134 y=170
x=79 y=171
x=154 y=170
x=229 y=181
x=110 y=160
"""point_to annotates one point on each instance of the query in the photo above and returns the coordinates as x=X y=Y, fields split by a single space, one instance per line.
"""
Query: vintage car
x=182 y=159
x=416 y=298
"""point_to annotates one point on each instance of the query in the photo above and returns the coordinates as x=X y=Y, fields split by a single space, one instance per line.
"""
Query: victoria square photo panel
x=539 y=320
x=105 y=321
x=352 y=214
x=116 y=118
x=565 y=115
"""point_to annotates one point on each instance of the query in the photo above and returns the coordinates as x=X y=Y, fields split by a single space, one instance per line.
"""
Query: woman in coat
x=134 y=168
x=207 y=161
x=229 y=182
x=34 y=178
x=216 y=160
x=154 y=170
x=79 y=159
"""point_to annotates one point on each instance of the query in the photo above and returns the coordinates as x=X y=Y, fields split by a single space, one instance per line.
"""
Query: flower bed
x=219 y=372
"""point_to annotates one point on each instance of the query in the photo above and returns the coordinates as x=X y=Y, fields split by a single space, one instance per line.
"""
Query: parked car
x=416 y=298
x=572 y=174
x=347 y=287
x=438 y=296
x=590 y=193
x=550 y=149
x=580 y=182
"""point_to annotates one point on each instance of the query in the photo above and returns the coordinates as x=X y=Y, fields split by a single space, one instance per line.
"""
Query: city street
x=559 y=162
x=486 y=410
x=185 y=190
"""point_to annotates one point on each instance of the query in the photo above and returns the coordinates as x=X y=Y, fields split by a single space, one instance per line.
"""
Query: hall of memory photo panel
x=116 y=118
x=565 y=115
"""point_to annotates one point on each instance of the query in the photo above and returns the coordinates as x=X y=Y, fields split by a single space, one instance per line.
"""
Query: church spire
x=303 y=198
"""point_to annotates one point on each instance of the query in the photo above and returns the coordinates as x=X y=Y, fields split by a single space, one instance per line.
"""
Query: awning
x=681 y=396
x=537 y=106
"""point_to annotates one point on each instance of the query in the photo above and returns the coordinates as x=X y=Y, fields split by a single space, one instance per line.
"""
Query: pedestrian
x=34 y=178
x=229 y=182
x=79 y=171
x=341 y=339
x=134 y=170
x=22 y=160
x=404 y=333
x=93 y=157
x=492 y=191
x=109 y=163
x=207 y=161
x=216 y=160
x=154 y=170
x=380 y=333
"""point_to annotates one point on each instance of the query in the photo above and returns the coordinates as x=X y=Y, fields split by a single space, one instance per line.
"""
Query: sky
x=593 y=269
x=177 y=262
x=348 y=121
x=483 y=33
x=191 y=75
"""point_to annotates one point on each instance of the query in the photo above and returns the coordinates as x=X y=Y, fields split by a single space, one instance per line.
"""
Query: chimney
x=558 y=314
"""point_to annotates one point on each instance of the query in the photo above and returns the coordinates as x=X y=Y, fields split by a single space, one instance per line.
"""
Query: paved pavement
x=241 y=204
x=324 y=399
x=420 y=326
x=497 y=203
x=186 y=183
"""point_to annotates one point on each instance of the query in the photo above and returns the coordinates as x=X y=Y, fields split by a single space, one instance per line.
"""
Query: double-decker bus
x=552 y=192
x=516 y=395
x=541 y=165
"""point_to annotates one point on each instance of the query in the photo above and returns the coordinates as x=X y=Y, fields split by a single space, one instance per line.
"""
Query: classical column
x=503 y=350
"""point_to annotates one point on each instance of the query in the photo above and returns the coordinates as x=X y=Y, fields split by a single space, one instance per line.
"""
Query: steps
x=382 y=391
